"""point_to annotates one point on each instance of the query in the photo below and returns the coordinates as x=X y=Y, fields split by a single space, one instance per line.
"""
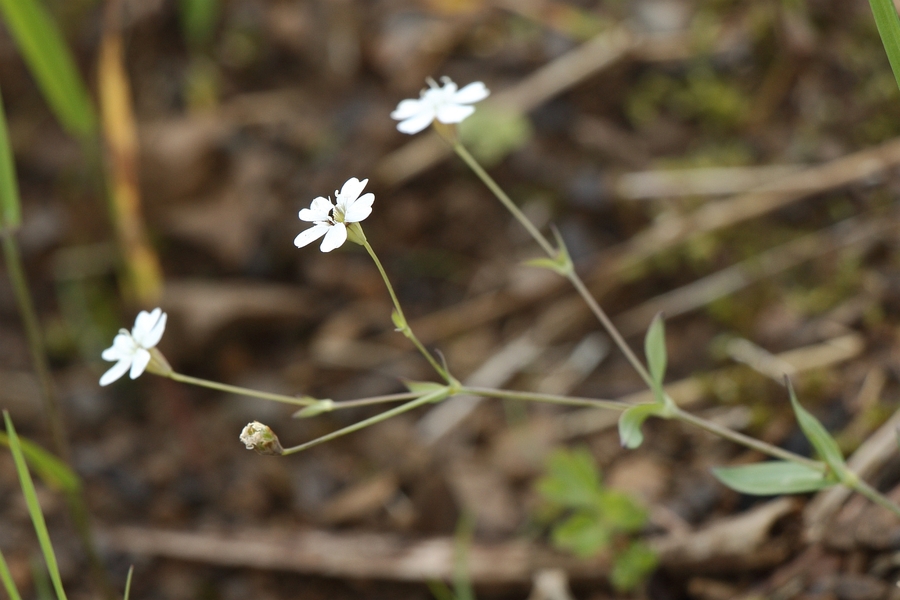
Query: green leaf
x=34 y=507
x=572 y=480
x=10 y=207
x=888 y=24
x=52 y=471
x=128 y=583
x=633 y=566
x=621 y=512
x=44 y=50
x=9 y=585
x=816 y=433
x=315 y=409
x=631 y=421
x=772 y=478
x=398 y=320
x=583 y=534
x=423 y=387
x=655 y=349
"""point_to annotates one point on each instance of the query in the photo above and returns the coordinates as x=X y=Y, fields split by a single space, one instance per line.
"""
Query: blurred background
x=730 y=163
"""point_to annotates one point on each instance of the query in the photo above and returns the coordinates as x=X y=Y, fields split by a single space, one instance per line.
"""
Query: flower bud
x=262 y=439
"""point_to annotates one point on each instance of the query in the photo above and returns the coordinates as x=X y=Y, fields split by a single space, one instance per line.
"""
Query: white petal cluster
x=331 y=220
x=445 y=103
x=131 y=351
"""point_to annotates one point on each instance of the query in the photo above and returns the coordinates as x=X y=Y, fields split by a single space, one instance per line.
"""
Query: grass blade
x=34 y=508
x=888 y=24
x=44 y=50
x=50 y=469
x=8 y=584
x=128 y=583
x=10 y=209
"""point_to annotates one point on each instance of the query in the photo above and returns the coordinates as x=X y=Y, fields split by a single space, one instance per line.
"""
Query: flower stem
x=544 y=243
x=427 y=398
x=241 y=391
x=374 y=400
x=875 y=496
x=406 y=329
x=546 y=398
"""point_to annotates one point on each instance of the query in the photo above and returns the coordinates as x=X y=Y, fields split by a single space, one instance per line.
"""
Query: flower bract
x=131 y=351
x=445 y=103
x=331 y=219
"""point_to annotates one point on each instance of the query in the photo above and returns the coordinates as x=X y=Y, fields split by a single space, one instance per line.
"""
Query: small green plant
x=590 y=518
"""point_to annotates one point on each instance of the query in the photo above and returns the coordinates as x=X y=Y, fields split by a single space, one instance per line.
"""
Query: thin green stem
x=546 y=398
x=745 y=440
x=407 y=331
x=427 y=398
x=502 y=197
x=374 y=400
x=875 y=496
x=241 y=391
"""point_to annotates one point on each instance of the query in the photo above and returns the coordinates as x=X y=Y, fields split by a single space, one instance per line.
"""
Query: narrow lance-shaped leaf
x=10 y=208
x=50 y=469
x=8 y=584
x=44 y=50
x=34 y=507
x=655 y=349
x=773 y=478
x=888 y=24
x=816 y=433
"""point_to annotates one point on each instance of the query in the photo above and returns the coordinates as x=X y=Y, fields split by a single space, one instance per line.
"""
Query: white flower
x=331 y=219
x=446 y=104
x=132 y=350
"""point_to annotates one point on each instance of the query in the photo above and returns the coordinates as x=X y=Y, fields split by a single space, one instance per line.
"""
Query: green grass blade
x=10 y=209
x=44 y=50
x=34 y=508
x=50 y=469
x=888 y=24
x=128 y=582
x=8 y=584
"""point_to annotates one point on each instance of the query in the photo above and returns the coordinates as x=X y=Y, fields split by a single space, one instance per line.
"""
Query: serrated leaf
x=655 y=349
x=315 y=409
x=51 y=63
x=631 y=421
x=816 y=433
x=773 y=478
x=52 y=471
x=10 y=206
x=572 y=480
x=583 y=534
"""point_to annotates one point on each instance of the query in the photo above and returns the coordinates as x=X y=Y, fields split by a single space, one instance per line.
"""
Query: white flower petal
x=351 y=190
x=454 y=113
x=311 y=234
x=116 y=371
x=474 y=92
x=141 y=359
x=449 y=87
x=360 y=209
x=335 y=238
x=319 y=210
x=152 y=337
x=144 y=322
x=123 y=346
x=417 y=123
x=407 y=109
